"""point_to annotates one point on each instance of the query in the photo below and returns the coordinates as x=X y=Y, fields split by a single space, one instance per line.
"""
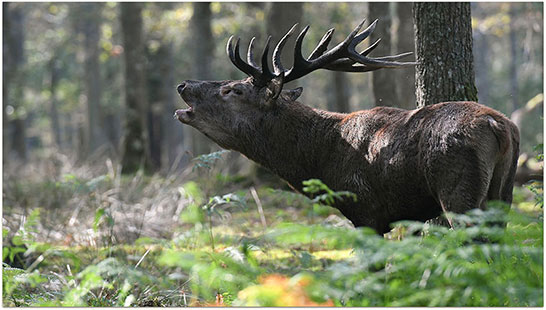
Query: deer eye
x=237 y=91
x=225 y=91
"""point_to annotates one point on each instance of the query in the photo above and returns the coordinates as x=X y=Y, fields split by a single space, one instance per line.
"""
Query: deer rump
x=412 y=165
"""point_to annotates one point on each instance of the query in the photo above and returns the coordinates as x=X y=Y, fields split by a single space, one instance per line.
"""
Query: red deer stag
x=402 y=165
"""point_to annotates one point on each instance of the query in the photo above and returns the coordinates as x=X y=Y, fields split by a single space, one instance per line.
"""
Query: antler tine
x=363 y=35
x=381 y=62
x=358 y=62
x=323 y=45
x=303 y=67
x=250 y=53
x=397 y=57
x=349 y=62
x=370 y=48
x=348 y=65
x=299 y=61
x=277 y=65
x=235 y=58
x=266 y=72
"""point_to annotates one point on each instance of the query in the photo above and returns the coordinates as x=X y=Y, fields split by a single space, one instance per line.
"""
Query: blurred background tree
x=136 y=151
x=71 y=86
x=15 y=115
x=203 y=54
x=384 y=90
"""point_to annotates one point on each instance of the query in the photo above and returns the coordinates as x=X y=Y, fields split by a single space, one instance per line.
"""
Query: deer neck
x=294 y=142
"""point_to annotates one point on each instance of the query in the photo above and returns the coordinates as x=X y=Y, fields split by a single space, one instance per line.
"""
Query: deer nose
x=180 y=88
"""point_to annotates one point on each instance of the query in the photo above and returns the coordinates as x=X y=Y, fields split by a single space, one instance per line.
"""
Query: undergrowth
x=180 y=241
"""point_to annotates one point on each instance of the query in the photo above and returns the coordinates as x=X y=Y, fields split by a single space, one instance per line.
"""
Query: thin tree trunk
x=443 y=36
x=338 y=100
x=384 y=89
x=13 y=32
x=135 y=141
x=514 y=87
x=174 y=138
x=91 y=19
x=341 y=85
x=203 y=55
x=159 y=79
x=6 y=78
x=481 y=52
x=281 y=17
x=405 y=78
x=53 y=110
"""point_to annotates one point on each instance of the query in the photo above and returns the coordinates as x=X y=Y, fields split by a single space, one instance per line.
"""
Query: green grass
x=212 y=248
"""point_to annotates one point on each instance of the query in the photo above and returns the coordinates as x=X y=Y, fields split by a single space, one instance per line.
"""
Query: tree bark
x=443 y=35
x=384 y=90
x=405 y=78
x=203 y=55
x=135 y=141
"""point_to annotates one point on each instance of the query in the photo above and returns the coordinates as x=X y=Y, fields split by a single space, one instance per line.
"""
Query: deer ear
x=272 y=90
x=293 y=94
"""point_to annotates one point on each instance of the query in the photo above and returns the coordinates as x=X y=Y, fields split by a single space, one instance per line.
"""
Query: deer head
x=222 y=109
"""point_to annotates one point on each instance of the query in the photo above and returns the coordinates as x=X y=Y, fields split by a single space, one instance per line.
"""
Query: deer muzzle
x=183 y=115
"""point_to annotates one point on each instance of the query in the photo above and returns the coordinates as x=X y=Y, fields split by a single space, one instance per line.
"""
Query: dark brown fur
x=402 y=165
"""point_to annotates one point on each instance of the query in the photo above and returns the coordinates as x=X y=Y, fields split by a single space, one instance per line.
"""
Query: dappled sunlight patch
x=275 y=254
x=276 y=290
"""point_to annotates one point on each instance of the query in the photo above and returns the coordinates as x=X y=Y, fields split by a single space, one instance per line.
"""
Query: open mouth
x=184 y=115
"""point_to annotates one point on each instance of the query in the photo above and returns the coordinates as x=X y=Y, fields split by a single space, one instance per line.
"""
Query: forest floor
x=87 y=236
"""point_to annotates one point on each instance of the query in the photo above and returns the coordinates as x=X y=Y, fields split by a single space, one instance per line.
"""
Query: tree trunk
x=53 y=110
x=161 y=91
x=340 y=102
x=91 y=19
x=135 y=153
x=203 y=55
x=280 y=18
x=443 y=42
x=384 y=89
x=6 y=78
x=338 y=99
x=514 y=87
x=405 y=78
x=173 y=140
x=14 y=58
x=481 y=52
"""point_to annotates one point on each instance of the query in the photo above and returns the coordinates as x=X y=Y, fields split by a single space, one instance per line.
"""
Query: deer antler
x=343 y=57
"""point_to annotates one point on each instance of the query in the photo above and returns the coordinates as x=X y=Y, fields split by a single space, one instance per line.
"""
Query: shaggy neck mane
x=294 y=142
